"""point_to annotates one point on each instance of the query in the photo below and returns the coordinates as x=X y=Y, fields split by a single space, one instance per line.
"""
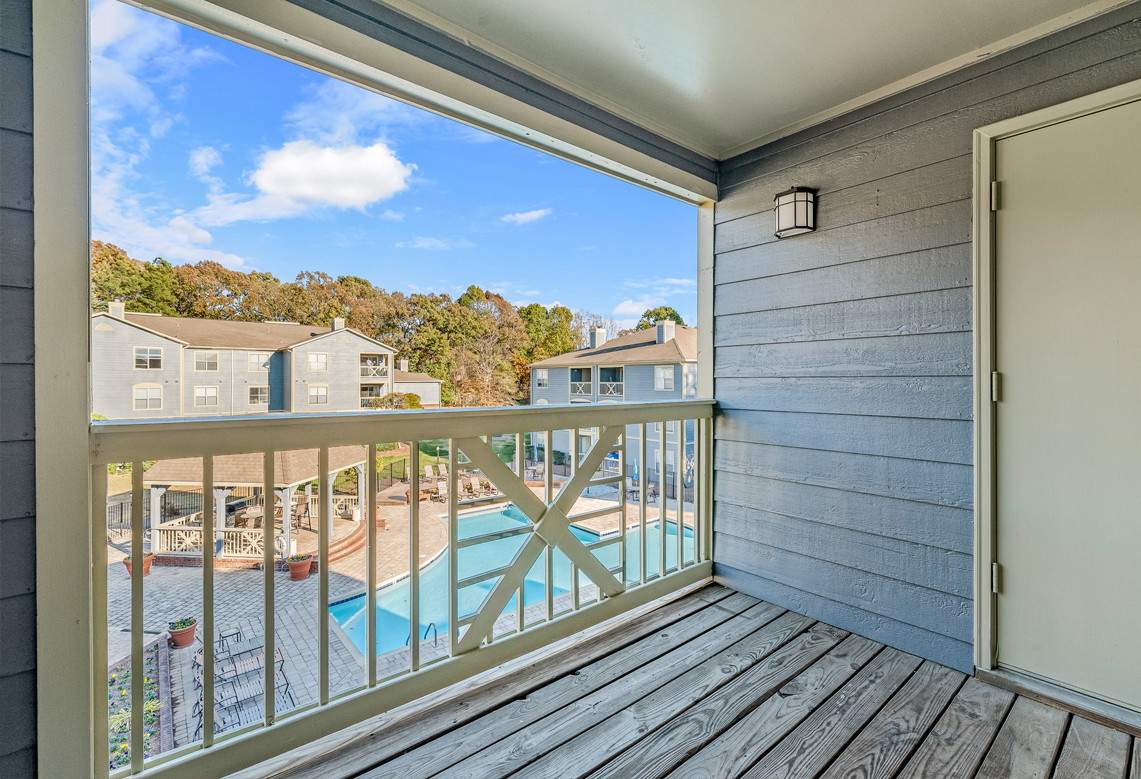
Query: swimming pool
x=392 y=600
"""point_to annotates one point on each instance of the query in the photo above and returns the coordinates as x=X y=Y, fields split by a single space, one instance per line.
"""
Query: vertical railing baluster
x=324 y=530
x=370 y=557
x=208 y=534
x=138 y=674
x=622 y=503
x=642 y=464
x=414 y=558
x=663 y=430
x=268 y=564
x=548 y=494
x=679 y=491
x=520 y=471
x=707 y=519
x=99 y=628
x=575 y=596
x=453 y=549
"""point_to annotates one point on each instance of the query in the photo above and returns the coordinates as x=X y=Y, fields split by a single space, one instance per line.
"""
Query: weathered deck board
x=1094 y=751
x=888 y=740
x=957 y=743
x=721 y=685
x=464 y=741
x=659 y=751
x=588 y=750
x=504 y=756
x=734 y=750
x=812 y=745
x=1027 y=743
x=408 y=726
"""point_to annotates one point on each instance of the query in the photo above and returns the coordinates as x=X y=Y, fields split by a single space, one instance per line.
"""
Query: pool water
x=392 y=611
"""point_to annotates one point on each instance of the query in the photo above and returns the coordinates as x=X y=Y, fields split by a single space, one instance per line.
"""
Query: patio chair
x=487 y=487
x=441 y=491
x=470 y=487
x=429 y=472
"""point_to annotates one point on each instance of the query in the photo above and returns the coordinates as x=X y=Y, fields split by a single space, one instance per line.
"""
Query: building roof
x=295 y=466
x=412 y=376
x=223 y=334
x=640 y=346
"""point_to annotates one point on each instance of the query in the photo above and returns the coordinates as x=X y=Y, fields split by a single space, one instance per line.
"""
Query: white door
x=1068 y=426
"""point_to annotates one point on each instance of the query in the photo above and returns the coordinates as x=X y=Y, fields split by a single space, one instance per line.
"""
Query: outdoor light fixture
x=795 y=212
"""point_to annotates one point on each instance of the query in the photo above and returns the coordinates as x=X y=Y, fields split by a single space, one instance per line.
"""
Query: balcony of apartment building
x=905 y=538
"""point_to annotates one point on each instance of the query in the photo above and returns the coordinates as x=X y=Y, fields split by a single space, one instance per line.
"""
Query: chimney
x=339 y=323
x=665 y=331
x=597 y=337
x=403 y=366
x=117 y=309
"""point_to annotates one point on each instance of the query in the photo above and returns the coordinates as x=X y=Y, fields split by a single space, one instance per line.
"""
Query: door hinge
x=995 y=386
x=995 y=195
x=995 y=578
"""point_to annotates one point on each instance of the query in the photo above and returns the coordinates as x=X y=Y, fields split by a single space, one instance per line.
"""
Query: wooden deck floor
x=719 y=684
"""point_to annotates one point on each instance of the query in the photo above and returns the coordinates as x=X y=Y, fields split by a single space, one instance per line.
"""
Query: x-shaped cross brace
x=551 y=528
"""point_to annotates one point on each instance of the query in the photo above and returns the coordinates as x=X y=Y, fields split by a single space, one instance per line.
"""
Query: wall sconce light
x=795 y=212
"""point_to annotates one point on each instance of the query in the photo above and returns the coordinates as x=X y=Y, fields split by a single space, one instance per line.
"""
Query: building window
x=689 y=381
x=374 y=366
x=371 y=395
x=148 y=358
x=664 y=378
x=147 y=397
x=259 y=396
x=541 y=378
x=205 y=397
x=205 y=361
x=318 y=394
x=318 y=362
x=257 y=361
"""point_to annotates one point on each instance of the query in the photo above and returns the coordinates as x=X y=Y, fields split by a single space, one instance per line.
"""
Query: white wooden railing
x=602 y=583
x=610 y=389
x=581 y=389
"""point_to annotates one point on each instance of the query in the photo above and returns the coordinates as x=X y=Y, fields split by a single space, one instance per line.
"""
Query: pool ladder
x=430 y=629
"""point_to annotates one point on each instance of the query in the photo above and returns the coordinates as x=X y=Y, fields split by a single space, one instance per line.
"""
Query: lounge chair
x=471 y=487
x=442 y=491
x=429 y=472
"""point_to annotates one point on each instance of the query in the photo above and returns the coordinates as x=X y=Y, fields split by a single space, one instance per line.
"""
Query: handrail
x=586 y=580
x=126 y=441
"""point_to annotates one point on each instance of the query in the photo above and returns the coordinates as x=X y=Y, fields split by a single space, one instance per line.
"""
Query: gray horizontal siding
x=17 y=399
x=843 y=358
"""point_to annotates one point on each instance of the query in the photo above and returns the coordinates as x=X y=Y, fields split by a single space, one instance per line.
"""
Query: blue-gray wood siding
x=843 y=358
x=342 y=377
x=638 y=385
x=17 y=399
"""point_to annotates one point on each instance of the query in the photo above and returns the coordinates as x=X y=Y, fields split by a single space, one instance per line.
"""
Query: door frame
x=983 y=250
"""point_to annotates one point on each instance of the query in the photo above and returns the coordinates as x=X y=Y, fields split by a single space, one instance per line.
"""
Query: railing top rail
x=127 y=441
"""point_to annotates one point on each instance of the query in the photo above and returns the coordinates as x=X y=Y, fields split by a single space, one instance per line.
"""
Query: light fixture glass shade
x=795 y=212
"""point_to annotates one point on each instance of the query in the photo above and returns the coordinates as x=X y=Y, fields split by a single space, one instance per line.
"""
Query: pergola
x=291 y=469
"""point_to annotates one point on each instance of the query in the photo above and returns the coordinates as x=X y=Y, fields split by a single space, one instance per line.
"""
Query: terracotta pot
x=148 y=559
x=184 y=637
x=299 y=569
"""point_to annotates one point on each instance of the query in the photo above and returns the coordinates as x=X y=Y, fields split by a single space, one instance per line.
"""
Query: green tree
x=147 y=287
x=651 y=316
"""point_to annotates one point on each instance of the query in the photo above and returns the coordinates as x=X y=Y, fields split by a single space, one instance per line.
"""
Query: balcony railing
x=535 y=581
x=581 y=389
x=610 y=389
x=374 y=371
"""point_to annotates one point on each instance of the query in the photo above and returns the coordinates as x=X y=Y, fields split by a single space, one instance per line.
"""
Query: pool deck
x=719 y=684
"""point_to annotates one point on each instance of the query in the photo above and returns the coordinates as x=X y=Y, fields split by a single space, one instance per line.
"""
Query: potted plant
x=299 y=566
x=182 y=631
x=148 y=558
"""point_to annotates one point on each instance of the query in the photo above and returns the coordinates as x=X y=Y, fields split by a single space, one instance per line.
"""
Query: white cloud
x=632 y=308
x=664 y=287
x=389 y=215
x=427 y=243
x=336 y=113
x=342 y=176
x=525 y=217
x=204 y=159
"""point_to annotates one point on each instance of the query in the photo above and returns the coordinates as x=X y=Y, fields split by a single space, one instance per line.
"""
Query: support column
x=329 y=507
x=156 y=492
x=362 y=493
x=285 y=495
x=220 y=495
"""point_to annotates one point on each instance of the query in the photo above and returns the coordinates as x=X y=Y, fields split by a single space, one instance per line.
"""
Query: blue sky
x=204 y=149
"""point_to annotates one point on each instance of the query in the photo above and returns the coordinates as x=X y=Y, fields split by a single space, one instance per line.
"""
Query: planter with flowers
x=299 y=566
x=182 y=632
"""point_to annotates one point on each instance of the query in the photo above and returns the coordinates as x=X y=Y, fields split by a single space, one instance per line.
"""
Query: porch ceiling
x=722 y=77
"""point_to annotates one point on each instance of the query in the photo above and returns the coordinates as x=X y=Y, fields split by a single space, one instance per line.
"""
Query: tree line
x=478 y=344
